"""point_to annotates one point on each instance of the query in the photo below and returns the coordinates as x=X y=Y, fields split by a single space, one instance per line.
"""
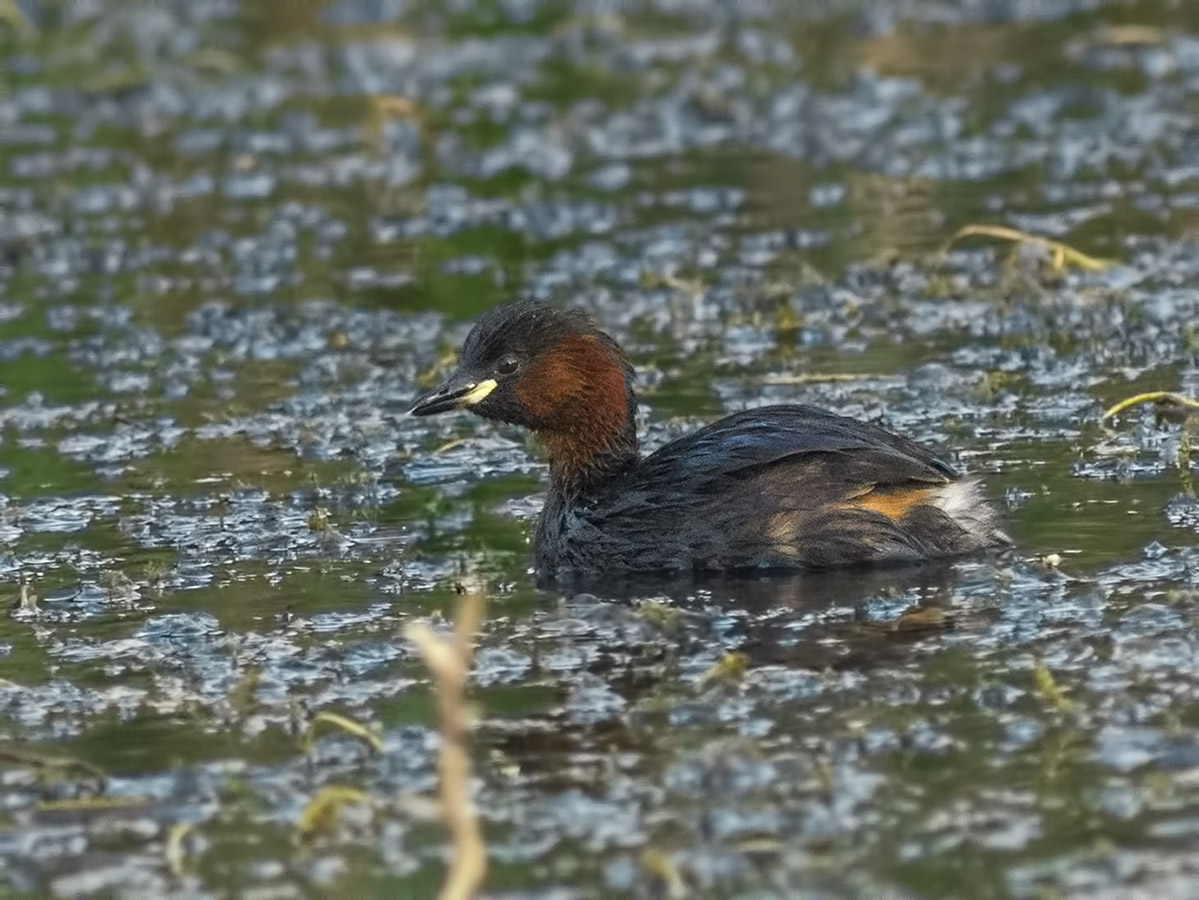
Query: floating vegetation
x=322 y=813
x=659 y=614
x=729 y=668
x=1060 y=255
x=341 y=723
x=659 y=866
x=1049 y=689
x=1169 y=405
x=234 y=242
x=16 y=20
x=49 y=765
x=175 y=849
x=94 y=804
x=817 y=377
x=319 y=522
x=27 y=601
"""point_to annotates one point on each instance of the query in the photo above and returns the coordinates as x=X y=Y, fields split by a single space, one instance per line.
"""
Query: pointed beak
x=459 y=391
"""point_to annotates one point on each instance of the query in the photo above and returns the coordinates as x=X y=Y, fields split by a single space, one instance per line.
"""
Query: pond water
x=237 y=239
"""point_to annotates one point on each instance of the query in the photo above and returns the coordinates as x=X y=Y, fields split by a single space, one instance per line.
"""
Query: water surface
x=236 y=239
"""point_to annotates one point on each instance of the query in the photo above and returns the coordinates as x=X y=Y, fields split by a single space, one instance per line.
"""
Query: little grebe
x=790 y=487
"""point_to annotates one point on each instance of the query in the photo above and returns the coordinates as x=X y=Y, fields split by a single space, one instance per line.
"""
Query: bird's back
x=791 y=487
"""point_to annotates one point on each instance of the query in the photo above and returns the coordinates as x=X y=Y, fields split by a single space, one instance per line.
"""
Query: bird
x=786 y=487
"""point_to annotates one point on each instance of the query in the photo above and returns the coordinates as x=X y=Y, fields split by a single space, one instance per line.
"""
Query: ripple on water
x=225 y=273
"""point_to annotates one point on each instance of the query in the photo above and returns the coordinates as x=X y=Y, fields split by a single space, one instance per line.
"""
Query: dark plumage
x=790 y=487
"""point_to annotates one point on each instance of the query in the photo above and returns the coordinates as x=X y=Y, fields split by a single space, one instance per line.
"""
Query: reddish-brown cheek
x=547 y=387
x=575 y=396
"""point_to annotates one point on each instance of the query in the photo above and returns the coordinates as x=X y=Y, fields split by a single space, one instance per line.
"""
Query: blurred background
x=236 y=239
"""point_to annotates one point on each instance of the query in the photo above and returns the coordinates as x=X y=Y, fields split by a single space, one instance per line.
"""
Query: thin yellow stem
x=1151 y=397
x=1060 y=254
x=449 y=660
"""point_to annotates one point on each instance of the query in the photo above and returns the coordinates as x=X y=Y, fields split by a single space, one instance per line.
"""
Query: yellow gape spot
x=477 y=393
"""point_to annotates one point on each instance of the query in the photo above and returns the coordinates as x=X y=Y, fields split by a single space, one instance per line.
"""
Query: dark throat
x=589 y=451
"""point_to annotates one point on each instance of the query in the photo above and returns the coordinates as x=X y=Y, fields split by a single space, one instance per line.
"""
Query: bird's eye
x=507 y=365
